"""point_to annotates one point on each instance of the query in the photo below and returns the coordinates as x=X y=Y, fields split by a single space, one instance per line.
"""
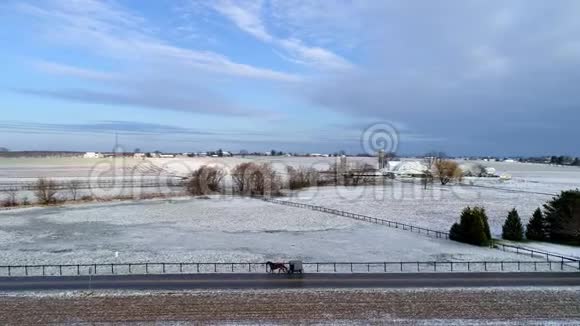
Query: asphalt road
x=282 y=281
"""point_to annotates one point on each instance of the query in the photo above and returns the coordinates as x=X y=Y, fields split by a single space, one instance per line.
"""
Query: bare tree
x=256 y=179
x=241 y=176
x=205 y=180
x=264 y=181
x=333 y=175
x=474 y=170
x=427 y=178
x=446 y=171
x=363 y=173
x=11 y=199
x=45 y=191
x=302 y=177
x=429 y=161
x=73 y=187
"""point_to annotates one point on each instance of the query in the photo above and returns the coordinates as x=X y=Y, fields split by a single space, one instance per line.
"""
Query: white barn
x=93 y=155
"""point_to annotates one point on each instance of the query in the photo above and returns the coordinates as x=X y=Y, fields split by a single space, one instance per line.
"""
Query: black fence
x=312 y=267
x=392 y=224
x=438 y=234
x=442 y=266
x=130 y=268
x=535 y=253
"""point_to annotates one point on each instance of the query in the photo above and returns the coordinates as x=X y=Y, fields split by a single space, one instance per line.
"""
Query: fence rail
x=392 y=224
x=309 y=267
x=438 y=234
x=534 y=253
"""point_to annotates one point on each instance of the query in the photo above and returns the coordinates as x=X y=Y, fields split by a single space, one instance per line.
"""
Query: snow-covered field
x=540 y=178
x=211 y=230
x=226 y=229
x=436 y=208
x=31 y=168
x=110 y=177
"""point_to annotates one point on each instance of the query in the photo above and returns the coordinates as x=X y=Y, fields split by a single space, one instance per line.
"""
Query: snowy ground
x=19 y=168
x=435 y=208
x=526 y=178
x=110 y=177
x=439 y=206
x=559 y=249
x=211 y=230
x=249 y=230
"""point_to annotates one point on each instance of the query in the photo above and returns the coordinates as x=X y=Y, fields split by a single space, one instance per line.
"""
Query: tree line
x=50 y=192
x=255 y=179
x=557 y=222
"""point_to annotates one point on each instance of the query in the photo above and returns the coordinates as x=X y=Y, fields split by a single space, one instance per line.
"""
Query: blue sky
x=465 y=77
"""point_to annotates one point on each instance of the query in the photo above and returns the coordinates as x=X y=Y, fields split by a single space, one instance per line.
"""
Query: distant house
x=139 y=155
x=93 y=155
x=409 y=169
x=166 y=155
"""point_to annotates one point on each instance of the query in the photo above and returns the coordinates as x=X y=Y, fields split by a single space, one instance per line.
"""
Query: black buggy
x=295 y=267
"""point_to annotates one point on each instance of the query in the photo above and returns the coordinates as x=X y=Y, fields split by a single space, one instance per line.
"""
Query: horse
x=277 y=266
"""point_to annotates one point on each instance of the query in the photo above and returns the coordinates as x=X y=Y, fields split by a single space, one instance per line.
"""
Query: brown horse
x=277 y=266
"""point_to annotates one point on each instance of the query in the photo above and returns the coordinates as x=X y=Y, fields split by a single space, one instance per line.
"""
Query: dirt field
x=443 y=307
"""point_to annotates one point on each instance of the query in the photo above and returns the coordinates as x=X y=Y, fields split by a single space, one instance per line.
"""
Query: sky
x=466 y=77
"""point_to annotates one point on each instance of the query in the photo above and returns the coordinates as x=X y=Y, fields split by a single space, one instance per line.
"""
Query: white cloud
x=446 y=68
x=145 y=71
x=314 y=55
x=111 y=31
x=247 y=16
x=67 y=70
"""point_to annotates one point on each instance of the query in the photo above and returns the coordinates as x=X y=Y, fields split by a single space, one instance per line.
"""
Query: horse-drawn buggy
x=294 y=267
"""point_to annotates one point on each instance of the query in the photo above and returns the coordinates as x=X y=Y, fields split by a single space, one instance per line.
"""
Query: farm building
x=409 y=169
x=93 y=155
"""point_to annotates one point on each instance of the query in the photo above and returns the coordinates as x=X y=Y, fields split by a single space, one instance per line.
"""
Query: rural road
x=274 y=281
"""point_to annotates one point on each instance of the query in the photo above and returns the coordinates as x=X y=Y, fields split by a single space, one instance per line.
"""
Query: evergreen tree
x=536 y=228
x=471 y=228
x=481 y=212
x=475 y=230
x=563 y=217
x=512 y=228
x=456 y=233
